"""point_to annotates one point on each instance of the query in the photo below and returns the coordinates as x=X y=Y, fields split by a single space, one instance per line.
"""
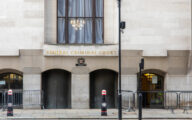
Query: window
x=11 y=81
x=80 y=22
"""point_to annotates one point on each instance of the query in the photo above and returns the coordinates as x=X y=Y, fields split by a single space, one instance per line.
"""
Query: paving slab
x=94 y=114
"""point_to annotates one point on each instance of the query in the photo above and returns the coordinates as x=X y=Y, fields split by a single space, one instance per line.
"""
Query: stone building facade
x=157 y=30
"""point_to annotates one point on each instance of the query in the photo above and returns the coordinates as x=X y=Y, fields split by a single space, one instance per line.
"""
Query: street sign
x=2 y=82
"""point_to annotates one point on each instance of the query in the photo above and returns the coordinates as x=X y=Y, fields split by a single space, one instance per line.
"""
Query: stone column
x=80 y=88
x=50 y=21
x=31 y=87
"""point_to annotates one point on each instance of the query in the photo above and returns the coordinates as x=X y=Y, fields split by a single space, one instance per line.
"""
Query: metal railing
x=128 y=98
x=185 y=100
x=158 y=99
x=22 y=98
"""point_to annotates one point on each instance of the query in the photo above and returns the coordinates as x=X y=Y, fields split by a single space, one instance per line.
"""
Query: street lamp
x=121 y=26
x=141 y=67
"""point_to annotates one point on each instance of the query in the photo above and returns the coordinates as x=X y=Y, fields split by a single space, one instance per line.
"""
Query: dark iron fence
x=158 y=99
x=22 y=98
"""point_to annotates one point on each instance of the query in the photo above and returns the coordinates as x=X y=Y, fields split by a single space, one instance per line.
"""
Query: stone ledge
x=9 y=52
x=31 y=52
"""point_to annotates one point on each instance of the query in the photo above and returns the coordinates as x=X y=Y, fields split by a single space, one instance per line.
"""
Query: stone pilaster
x=80 y=88
x=31 y=87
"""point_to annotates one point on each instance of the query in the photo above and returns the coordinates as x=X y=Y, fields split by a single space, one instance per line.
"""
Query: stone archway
x=56 y=84
x=152 y=85
x=103 y=79
x=11 y=79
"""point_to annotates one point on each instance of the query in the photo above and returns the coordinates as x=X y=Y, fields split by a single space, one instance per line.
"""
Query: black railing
x=22 y=98
x=158 y=99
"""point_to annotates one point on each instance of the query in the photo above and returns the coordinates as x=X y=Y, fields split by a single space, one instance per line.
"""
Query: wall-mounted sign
x=2 y=82
x=81 y=62
x=80 y=52
x=154 y=80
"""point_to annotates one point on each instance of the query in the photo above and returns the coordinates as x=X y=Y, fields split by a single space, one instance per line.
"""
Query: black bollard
x=140 y=106
x=10 y=103
x=104 y=103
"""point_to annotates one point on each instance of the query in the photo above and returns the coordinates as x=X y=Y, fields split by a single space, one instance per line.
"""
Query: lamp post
x=121 y=26
x=119 y=91
x=140 y=96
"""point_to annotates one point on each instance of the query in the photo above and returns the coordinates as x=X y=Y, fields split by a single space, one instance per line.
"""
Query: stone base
x=32 y=107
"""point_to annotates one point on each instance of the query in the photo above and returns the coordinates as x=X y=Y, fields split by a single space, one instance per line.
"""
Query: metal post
x=141 y=66
x=119 y=91
x=4 y=100
x=129 y=108
x=140 y=95
x=140 y=106
x=10 y=103
x=139 y=77
x=104 y=103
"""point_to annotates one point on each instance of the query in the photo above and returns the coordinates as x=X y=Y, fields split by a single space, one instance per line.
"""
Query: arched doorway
x=11 y=80
x=152 y=85
x=103 y=79
x=56 y=85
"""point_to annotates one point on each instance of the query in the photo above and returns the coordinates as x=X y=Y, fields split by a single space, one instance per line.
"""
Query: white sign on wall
x=80 y=53
x=154 y=80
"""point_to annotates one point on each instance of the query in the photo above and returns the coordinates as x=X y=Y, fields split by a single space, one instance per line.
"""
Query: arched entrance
x=56 y=85
x=99 y=80
x=11 y=79
x=153 y=87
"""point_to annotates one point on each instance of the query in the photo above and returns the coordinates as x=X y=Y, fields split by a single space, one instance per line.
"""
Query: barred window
x=80 y=22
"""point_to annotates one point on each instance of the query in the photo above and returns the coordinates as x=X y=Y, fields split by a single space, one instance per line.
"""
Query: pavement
x=94 y=114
